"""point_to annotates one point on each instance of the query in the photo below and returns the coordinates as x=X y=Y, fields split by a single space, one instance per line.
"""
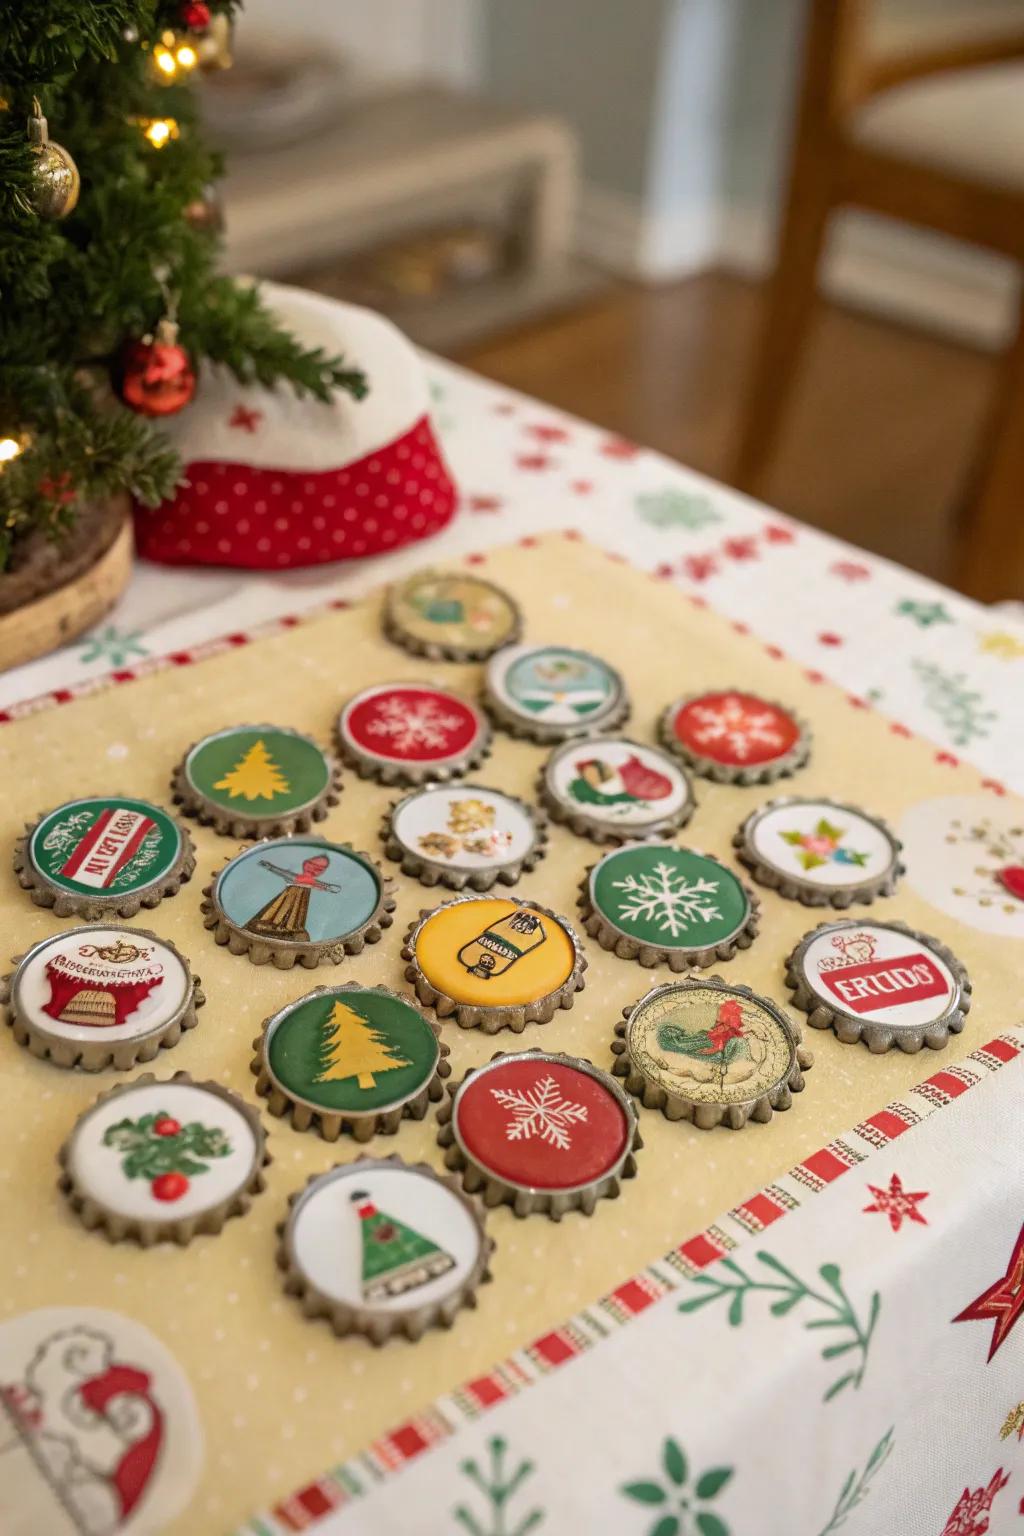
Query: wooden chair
x=884 y=132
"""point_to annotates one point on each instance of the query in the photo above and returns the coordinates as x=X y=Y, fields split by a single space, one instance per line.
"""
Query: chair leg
x=990 y=546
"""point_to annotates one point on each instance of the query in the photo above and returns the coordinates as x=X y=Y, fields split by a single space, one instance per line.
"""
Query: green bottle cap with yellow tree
x=257 y=781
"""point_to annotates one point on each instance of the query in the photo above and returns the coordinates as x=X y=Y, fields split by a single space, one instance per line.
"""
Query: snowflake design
x=541 y=1111
x=112 y=646
x=897 y=1203
x=668 y=899
x=672 y=508
x=970 y=1517
x=732 y=724
x=424 y=725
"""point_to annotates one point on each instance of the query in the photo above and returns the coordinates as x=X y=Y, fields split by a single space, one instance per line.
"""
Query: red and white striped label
x=114 y=837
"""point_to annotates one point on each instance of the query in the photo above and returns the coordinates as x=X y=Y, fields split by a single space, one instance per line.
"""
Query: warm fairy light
x=172 y=54
x=187 y=57
x=160 y=130
x=165 y=62
x=10 y=448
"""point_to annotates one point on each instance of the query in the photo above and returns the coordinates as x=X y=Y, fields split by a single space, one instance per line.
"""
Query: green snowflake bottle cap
x=705 y=1051
x=883 y=983
x=611 y=789
x=464 y=835
x=550 y=693
x=257 y=781
x=450 y=616
x=162 y=1161
x=821 y=852
x=381 y=1247
x=98 y=997
x=541 y=1132
x=349 y=1058
x=299 y=899
x=665 y=905
x=103 y=856
x=735 y=737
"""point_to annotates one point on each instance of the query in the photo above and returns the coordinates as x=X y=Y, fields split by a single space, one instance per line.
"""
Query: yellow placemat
x=280 y=1398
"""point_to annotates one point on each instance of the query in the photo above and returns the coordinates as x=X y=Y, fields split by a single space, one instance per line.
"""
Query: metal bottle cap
x=735 y=737
x=101 y=997
x=160 y=1161
x=494 y=963
x=450 y=616
x=550 y=693
x=299 y=899
x=257 y=781
x=349 y=1058
x=883 y=983
x=821 y=852
x=103 y=856
x=540 y=1131
x=665 y=905
x=611 y=789
x=705 y=1051
x=381 y=1247
x=412 y=733
x=464 y=835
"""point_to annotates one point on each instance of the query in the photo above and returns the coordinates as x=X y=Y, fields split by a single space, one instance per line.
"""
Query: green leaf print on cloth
x=497 y=1487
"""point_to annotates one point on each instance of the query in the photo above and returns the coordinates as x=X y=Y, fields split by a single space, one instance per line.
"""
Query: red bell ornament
x=195 y=16
x=158 y=379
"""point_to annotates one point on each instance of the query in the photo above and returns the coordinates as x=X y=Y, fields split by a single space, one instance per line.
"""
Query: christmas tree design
x=255 y=777
x=352 y=1047
x=396 y=1258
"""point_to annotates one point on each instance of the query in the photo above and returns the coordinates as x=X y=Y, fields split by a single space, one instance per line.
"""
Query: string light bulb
x=173 y=55
x=11 y=448
x=159 y=130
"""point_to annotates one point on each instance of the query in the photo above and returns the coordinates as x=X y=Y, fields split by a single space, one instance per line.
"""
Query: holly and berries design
x=352 y=1051
x=160 y=1148
x=735 y=729
x=411 y=724
x=670 y=896
x=824 y=845
x=1000 y=868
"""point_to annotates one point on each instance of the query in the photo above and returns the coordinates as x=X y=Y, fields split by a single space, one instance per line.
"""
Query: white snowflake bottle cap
x=158 y=1161
x=820 y=852
x=98 y=997
x=709 y=1052
x=257 y=781
x=611 y=789
x=450 y=616
x=540 y=1132
x=661 y=904
x=412 y=733
x=381 y=1247
x=350 y=1058
x=736 y=737
x=103 y=856
x=299 y=900
x=550 y=693
x=883 y=983
x=464 y=835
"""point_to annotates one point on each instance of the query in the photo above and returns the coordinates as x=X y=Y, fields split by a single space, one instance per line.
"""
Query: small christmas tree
x=353 y=1048
x=257 y=776
x=108 y=256
x=396 y=1258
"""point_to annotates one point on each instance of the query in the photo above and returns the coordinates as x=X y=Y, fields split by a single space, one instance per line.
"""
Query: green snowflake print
x=497 y=1487
x=833 y=1306
x=159 y=1148
x=672 y=508
x=957 y=706
x=924 y=614
x=682 y=1507
x=858 y=1485
x=110 y=645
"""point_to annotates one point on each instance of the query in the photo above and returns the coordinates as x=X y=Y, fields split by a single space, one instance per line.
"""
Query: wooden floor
x=875 y=447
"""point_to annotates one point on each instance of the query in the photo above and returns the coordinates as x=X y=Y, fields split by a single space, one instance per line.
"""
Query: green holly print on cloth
x=105 y=847
x=669 y=896
x=159 y=1148
x=822 y=846
x=498 y=1488
x=683 y=1507
x=354 y=1052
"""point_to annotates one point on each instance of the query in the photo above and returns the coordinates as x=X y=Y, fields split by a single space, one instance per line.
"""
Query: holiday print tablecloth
x=781 y=1352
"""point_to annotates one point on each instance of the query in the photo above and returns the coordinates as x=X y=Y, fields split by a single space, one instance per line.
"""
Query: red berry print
x=166 y=1126
x=169 y=1186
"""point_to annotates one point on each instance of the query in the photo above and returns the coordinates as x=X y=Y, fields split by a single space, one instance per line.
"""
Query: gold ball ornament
x=55 y=181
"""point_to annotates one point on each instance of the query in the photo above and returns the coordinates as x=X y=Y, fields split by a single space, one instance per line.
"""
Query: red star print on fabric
x=850 y=570
x=700 y=567
x=581 y=487
x=776 y=534
x=740 y=549
x=484 y=503
x=970 y=1517
x=1003 y=1302
x=534 y=461
x=545 y=434
x=828 y=638
x=244 y=419
x=897 y=1203
x=619 y=448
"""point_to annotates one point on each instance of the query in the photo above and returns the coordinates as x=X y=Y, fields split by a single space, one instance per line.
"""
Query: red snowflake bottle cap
x=450 y=616
x=611 y=789
x=551 y=693
x=101 y=997
x=735 y=737
x=821 y=852
x=412 y=733
x=257 y=781
x=350 y=1058
x=493 y=963
x=883 y=983
x=381 y=1247
x=163 y=1160
x=540 y=1132
x=705 y=1051
x=299 y=900
x=104 y=856
x=464 y=835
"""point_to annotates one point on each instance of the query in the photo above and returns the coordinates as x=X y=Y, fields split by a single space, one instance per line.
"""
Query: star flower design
x=897 y=1203
x=1003 y=1302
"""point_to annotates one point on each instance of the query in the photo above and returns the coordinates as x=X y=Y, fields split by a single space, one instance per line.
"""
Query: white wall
x=385 y=39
